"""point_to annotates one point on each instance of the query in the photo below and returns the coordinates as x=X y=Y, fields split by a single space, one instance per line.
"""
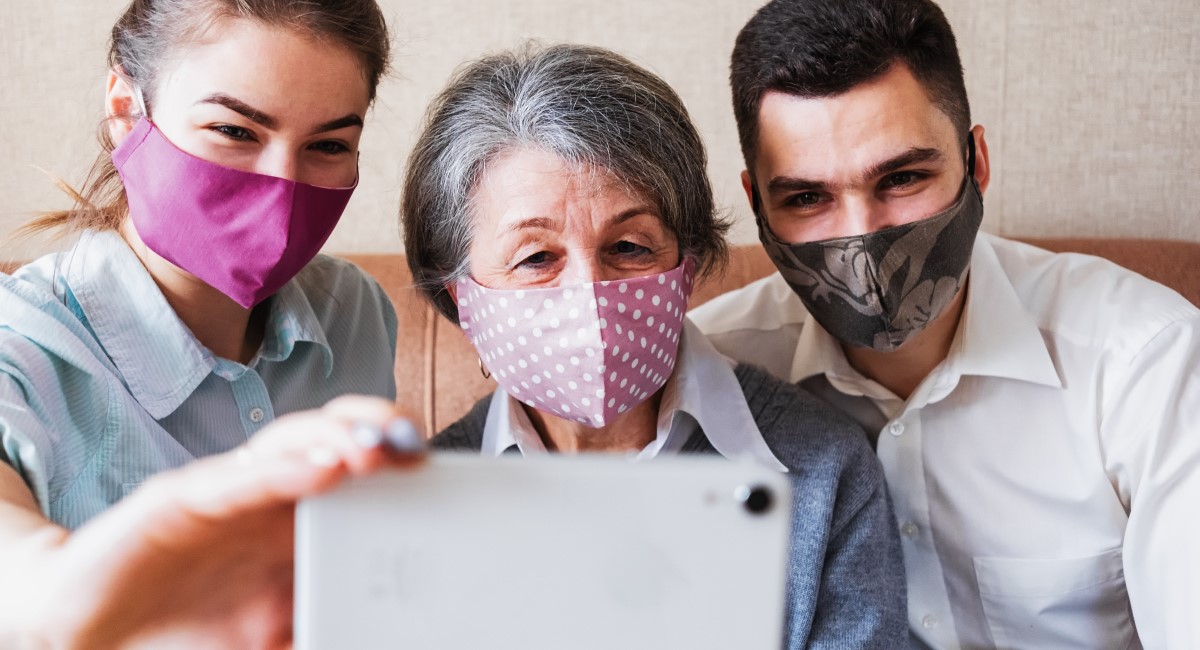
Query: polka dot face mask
x=586 y=352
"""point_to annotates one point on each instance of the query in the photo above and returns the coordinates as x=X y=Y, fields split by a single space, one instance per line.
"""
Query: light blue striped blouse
x=101 y=384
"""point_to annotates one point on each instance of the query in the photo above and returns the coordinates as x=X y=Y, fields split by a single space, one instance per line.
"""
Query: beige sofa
x=437 y=371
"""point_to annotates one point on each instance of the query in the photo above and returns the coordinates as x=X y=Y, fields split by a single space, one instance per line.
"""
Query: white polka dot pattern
x=586 y=352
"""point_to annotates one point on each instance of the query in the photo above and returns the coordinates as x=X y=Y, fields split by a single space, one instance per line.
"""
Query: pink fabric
x=585 y=352
x=244 y=234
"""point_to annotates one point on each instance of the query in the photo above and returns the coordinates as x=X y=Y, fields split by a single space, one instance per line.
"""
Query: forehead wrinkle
x=531 y=223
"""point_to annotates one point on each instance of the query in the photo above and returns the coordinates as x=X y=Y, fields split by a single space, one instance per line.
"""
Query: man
x=1037 y=415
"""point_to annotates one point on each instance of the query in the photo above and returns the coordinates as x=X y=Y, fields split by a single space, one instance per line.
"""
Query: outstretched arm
x=199 y=557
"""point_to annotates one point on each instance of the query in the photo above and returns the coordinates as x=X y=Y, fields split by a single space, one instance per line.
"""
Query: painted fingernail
x=366 y=435
x=402 y=436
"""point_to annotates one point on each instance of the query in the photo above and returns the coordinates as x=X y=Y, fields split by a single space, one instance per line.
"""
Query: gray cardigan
x=846 y=585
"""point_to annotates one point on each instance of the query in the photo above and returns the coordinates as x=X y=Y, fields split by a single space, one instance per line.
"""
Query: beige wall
x=1092 y=107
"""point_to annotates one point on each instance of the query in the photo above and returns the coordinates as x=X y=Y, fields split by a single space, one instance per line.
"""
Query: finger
x=360 y=431
x=378 y=423
x=314 y=435
x=224 y=487
x=360 y=407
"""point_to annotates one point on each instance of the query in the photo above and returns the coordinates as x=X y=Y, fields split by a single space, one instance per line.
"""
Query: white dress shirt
x=702 y=392
x=1046 y=475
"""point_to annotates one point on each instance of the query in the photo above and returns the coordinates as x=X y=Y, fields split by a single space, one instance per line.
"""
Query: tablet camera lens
x=756 y=499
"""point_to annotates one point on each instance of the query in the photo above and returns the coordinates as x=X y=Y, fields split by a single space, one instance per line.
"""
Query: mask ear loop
x=755 y=201
x=137 y=92
x=757 y=209
x=970 y=154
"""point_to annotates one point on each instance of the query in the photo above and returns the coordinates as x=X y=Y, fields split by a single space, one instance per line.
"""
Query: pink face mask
x=243 y=234
x=586 y=352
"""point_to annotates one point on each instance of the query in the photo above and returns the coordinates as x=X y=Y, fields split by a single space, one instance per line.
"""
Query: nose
x=582 y=267
x=280 y=163
x=865 y=215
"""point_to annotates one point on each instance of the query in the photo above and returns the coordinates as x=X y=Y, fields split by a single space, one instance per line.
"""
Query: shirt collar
x=703 y=391
x=996 y=337
x=291 y=321
x=156 y=355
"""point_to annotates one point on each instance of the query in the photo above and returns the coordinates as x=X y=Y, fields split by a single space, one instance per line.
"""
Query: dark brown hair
x=823 y=48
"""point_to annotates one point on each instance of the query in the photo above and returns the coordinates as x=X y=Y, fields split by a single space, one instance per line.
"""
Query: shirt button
x=909 y=529
x=896 y=428
x=929 y=622
x=256 y=415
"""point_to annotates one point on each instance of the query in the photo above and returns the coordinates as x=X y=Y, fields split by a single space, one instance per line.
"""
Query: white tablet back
x=545 y=553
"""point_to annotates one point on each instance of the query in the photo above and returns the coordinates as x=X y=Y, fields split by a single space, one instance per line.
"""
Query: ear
x=983 y=168
x=452 y=289
x=120 y=101
x=748 y=186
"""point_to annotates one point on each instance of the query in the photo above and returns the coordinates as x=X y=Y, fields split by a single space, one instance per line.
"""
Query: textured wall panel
x=980 y=31
x=1090 y=107
x=1101 y=121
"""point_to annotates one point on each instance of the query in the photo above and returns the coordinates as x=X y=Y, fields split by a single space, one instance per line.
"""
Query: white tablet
x=547 y=553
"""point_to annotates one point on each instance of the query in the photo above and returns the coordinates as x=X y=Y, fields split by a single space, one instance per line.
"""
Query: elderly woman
x=557 y=206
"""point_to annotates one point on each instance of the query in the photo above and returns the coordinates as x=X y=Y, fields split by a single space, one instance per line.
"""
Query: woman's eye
x=233 y=132
x=537 y=259
x=331 y=147
x=629 y=248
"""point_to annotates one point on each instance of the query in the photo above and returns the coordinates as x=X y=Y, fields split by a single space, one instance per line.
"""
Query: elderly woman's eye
x=537 y=259
x=629 y=248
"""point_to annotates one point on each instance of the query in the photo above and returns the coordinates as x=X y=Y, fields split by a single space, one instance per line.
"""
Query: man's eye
x=900 y=179
x=805 y=199
x=233 y=132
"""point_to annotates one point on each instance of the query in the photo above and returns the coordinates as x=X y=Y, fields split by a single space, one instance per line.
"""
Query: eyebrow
x=258 y=117
x=240 y=107
x=911 y=157
x=340 y=123
x=532 y=223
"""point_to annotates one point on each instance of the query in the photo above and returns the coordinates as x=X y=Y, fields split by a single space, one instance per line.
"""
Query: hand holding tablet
x=554 y=552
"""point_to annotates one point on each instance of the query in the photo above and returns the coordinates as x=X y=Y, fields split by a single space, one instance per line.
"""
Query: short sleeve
x=25 y=444
x=53 y=417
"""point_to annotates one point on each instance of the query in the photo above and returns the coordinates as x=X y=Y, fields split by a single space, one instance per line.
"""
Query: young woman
x=192 y=311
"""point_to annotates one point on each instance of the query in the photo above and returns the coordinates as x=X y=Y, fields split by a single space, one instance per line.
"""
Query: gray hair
x=590 y=107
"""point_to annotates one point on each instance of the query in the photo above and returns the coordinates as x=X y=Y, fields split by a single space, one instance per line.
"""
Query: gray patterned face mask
x=878 y=289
